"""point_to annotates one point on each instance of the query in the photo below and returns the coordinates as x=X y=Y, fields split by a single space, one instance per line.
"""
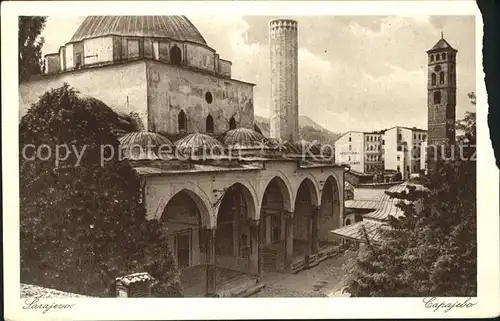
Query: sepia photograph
x=235 y=155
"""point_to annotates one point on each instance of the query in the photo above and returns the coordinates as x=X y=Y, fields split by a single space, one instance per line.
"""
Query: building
x=236 y=205
x=402 y=149
x=374 y=156
x=441 y=95
x=397 y=148
x=350 y=150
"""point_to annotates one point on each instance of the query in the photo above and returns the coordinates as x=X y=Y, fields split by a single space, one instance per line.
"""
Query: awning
x=355 y=231
x=361 y=204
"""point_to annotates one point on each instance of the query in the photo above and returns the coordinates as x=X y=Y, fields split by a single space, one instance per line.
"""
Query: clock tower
x=441 y=93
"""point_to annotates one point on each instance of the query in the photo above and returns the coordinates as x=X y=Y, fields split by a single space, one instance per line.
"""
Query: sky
x=355 y=72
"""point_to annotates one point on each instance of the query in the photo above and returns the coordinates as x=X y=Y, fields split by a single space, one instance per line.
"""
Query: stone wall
x=205 y=187
x=172 y=89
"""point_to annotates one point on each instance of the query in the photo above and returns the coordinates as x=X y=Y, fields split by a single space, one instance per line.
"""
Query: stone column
x=315 y=229
x=210 y=262
x=254 y=248
x=288 y=240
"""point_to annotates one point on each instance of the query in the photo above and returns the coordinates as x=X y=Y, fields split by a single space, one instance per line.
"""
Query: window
x=182 y=121
x=210 y=124
x=414 y=136
x=399 y=148
x=175 y=56
x=378 y=147
x=232 y=123
x=398 y=168
x=437 y=97
x=367 y=138
x=349 y=139
x=349 y=158
x=407 y=168
x=433 y=79
x=432 y=57
x=78 y=60
x=400 y=137
x=443 y=56
x=133 y=48
x=208 y=97
x=350 y=147
x=383 y=141
x=437 y=57
x=398 y=158
x=348 y=222
x=441 y=77
x=423 y=137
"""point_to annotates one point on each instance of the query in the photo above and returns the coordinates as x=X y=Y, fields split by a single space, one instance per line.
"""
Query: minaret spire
x=441 y=33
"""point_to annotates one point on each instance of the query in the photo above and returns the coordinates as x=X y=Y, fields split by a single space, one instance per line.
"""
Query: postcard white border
x=187 y=308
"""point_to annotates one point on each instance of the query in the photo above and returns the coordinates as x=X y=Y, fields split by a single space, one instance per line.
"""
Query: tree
x=30 y=46
x=432 y=252
x=467 y=125
x=82 y=223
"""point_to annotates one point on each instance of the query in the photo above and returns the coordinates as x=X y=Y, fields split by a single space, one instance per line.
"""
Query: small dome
x=282 y=146
x=243 y=138
x=198 y=144
x=306 y=147
x=145 y=145
x=172 y=27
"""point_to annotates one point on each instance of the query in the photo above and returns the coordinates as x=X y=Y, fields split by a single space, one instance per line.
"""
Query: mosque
x=236 y=204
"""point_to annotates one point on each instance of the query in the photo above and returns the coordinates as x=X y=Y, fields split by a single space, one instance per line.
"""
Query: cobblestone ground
x=320 y=281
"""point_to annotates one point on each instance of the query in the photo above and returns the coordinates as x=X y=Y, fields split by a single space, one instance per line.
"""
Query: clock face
x=437 y=68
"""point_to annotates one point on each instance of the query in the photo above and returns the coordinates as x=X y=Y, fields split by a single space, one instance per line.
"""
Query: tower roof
x=441 y=45
x=172 y=27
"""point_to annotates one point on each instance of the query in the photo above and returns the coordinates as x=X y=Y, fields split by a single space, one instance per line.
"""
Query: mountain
x=309 y=130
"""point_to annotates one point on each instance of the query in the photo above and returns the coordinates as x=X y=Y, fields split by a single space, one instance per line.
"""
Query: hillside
x=309 y=130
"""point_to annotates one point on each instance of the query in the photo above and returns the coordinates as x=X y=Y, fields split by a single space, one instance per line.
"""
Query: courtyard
x=324 y=280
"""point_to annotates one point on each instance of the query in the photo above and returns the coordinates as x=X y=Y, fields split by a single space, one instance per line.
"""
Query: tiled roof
x=387 y=206
x=355 y=232
x=172 y=27
x=361 y=204
x=134 y=278
x=441 y=44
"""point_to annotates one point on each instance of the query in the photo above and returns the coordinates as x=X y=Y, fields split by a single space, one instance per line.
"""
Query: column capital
x=253 y=222
x=288 y=215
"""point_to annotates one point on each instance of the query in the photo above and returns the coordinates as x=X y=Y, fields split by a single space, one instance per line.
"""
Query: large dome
x=172 y=27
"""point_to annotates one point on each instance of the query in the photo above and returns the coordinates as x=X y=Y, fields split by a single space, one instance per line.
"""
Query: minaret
x=284 y=123
x=441 y=93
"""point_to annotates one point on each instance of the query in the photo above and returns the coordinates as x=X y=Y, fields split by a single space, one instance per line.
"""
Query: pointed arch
x=209 y=124
x=441 y=77
x=307 y=185
x=433 y=79
x=175 y=56
x=182 y=121
x=232 y=123
x=196 y=194
x=285 y=190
